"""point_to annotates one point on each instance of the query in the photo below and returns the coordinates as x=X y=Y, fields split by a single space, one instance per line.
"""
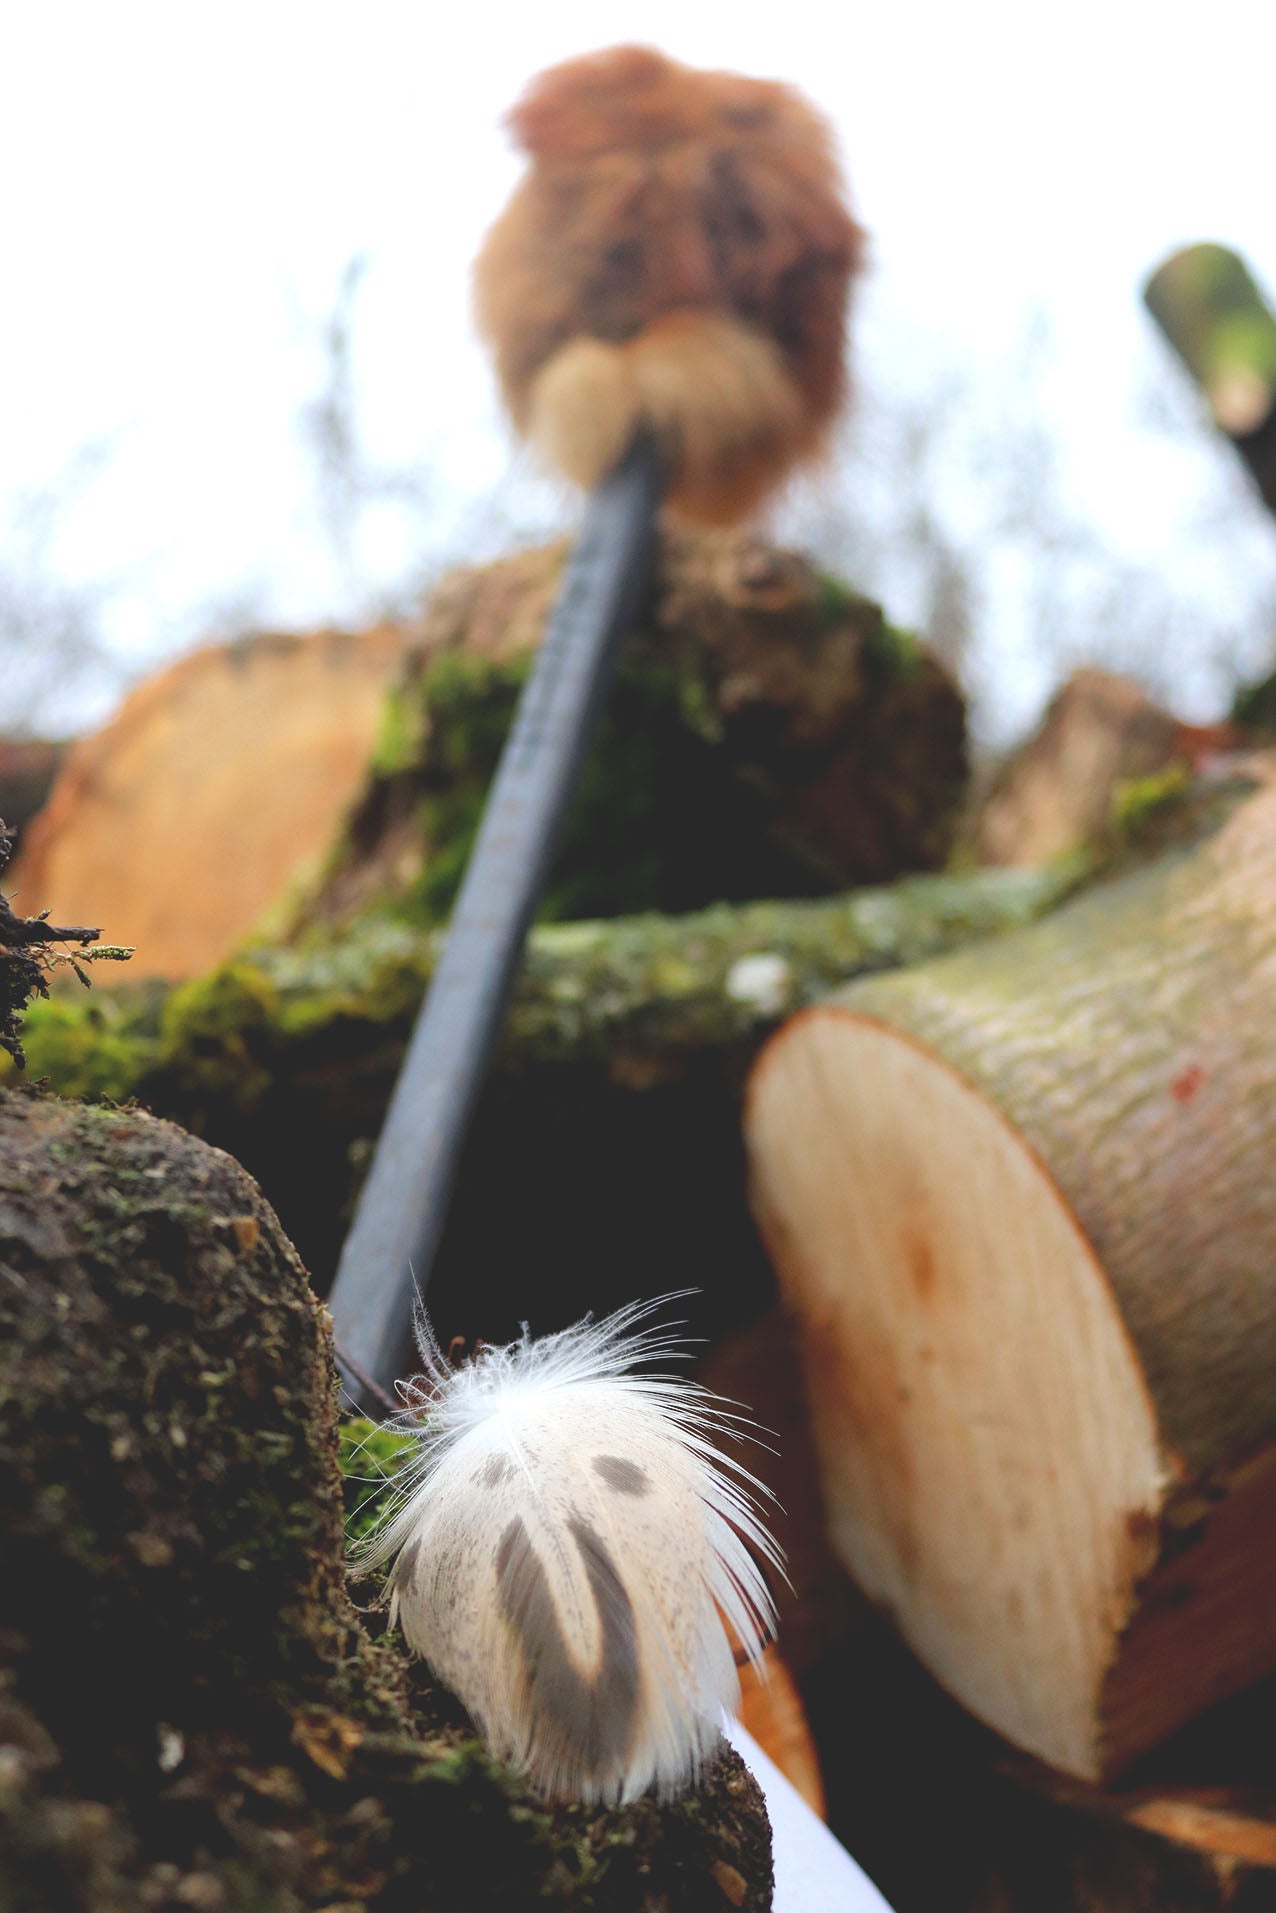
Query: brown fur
x=678 y=255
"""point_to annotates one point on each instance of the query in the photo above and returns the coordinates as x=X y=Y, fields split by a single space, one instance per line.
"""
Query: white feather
x=567 y=1544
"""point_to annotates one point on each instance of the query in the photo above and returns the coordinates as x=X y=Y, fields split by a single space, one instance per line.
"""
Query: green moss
x=657 y=807
x=235 y=996
x=97 y=1048
x=470 y=702
x=594 y=990
x=766 y=735
x=1139 y=800
x=835 y=601
x=369 y=1458
x=219 y=1024
x=894 y=652
x=400 y=736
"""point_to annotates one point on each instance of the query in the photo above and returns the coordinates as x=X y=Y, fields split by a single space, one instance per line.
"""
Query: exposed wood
x=1101 y=732
x=1209 y=308
x=219 y=781
x=1020 y=1200
x=933 y=1805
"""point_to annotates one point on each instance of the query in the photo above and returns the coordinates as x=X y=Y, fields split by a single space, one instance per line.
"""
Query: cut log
x=1021 y=1201
x=1101 y=732
x=219 y=781
x=933 y=1805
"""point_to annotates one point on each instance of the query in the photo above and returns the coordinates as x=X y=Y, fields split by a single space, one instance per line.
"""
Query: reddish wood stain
x=1187 y=1082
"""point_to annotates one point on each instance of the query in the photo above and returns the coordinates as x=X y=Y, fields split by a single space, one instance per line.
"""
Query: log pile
x=771 y=732
x=1008 y=1141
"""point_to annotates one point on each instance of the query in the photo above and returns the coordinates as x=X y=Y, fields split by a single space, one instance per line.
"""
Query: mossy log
x=1209 y=308
x=768 y=735
x=611 y=1124
x=1021 y=1202
x=191 y=1711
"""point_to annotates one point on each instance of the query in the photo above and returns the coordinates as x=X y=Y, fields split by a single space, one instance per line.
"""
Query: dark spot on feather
x=407 y=1565
x=495 y=1470
x=625 y=1477
x=576 y=1719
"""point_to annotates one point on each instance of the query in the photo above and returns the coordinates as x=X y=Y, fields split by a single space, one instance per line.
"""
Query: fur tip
x=674 y=227
x=573 y=1557
x=715 y=393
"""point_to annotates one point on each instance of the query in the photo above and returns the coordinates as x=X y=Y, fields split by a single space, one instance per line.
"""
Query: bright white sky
x=183 y=185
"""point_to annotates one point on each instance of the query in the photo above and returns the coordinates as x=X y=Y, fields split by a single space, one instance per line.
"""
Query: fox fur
x=677 y=258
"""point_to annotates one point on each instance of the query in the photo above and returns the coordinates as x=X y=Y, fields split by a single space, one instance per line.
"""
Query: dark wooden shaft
x=385 y=1262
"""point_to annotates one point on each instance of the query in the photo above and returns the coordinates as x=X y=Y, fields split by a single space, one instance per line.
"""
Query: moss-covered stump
x=191 y=1713
x=769 y=734
x=611 y=1125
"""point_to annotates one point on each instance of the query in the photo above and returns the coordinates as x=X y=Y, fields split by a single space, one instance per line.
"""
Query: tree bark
x=1020 y=1200
x=192 y=1714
